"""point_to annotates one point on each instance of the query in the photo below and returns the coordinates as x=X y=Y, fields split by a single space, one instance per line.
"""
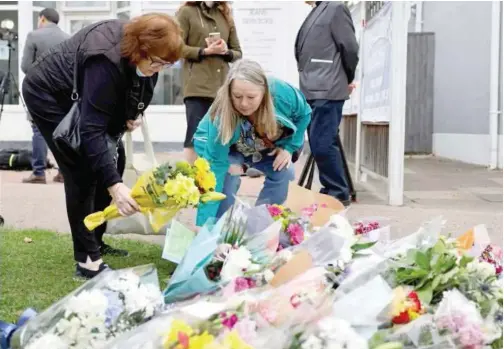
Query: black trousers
x=83 y=191
x=196 y=108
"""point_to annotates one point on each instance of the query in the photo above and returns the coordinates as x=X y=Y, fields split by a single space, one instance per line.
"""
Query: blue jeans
x=276 y=183
x=39 y=152
x=322 y=135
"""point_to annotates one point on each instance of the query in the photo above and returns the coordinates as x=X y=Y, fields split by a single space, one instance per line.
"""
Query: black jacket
x=53 y=70
x=108 y=85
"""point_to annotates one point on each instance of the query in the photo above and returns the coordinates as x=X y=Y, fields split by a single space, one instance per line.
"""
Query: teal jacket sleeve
x=291 y=104
x=207 y=145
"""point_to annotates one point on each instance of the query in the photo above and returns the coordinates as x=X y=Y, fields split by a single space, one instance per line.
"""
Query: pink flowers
x=296 y=233
x=229 y=321
x=293 y=231
x=310 y=210
x=241 y=284
x=493 y=255
x=275 y=210
x=363 y=228
x=468 y=335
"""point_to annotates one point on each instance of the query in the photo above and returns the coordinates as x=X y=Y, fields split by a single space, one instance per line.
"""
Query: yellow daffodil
x=177 y=327
x=202 y=165
x=206 y=181
x=201 y=341
x=234 y=341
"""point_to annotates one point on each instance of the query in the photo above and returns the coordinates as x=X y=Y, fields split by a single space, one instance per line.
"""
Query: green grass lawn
x=39 y=273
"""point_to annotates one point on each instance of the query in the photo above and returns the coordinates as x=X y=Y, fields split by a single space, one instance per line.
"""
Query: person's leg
x=102 y=200
x=196 y=108
x=39 y=158
x=79 y=183
x=231 y=185
x=322 y=136
x=276 y=183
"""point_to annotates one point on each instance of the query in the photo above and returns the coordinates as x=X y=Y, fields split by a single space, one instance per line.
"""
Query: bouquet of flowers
x=329 y=332
x=294 y=228
x=165 y=190
x=105 y=307
x=220 y=253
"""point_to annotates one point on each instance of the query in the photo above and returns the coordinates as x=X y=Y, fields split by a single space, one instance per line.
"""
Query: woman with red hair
x=116 y=65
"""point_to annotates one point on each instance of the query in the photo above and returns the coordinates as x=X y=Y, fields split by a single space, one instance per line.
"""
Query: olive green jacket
x=203 y=75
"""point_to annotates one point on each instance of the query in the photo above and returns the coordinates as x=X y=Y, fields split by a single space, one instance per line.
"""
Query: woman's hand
x=282 y=159
x=218 y=47
x=121 y=195
x=235 y=170
x=134 y=124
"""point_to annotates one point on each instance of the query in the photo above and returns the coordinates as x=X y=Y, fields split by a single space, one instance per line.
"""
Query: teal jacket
x=291 y=110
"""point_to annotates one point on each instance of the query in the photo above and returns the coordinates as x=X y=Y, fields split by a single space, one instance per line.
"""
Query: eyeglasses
x=158 y=63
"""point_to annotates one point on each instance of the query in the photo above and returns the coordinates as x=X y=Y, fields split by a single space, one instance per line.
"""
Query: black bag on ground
x=18 y=160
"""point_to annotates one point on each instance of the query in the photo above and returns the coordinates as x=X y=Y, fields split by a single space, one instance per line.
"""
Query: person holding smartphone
x=211 y=43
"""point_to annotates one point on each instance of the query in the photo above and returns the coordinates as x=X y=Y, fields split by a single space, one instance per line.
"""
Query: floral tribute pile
x=262 y=277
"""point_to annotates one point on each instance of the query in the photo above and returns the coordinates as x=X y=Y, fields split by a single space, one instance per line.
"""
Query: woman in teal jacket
x=255 y=120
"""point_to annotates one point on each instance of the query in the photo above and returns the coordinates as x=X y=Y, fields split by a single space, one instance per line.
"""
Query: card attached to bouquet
x=297 y=265
x=177 y=241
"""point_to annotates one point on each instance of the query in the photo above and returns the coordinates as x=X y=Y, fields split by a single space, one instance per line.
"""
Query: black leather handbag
x=66 y=136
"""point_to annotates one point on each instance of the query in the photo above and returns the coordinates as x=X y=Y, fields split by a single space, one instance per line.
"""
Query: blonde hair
x=264 y=118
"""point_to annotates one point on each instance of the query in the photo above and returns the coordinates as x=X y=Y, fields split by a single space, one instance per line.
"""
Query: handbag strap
x=75 y=95
x=148 y=147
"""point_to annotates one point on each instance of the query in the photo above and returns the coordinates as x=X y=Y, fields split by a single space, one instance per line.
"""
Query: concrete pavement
x=465 y=195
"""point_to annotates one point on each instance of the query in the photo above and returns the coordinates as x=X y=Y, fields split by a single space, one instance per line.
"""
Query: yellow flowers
x=165 y=190
x=204 y=177
x=182 y=190
x=234 y=341
x=183 y=336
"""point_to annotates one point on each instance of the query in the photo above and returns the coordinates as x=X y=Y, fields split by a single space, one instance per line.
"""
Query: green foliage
x=431 y=271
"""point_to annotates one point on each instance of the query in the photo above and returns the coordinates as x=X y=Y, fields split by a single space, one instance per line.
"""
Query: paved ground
x=464 y=195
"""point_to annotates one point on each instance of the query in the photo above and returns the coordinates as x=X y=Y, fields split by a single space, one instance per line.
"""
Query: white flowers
x=333 y=333
x=48 y=341
x=95 y=316
x=237 y=262
x=483 y=269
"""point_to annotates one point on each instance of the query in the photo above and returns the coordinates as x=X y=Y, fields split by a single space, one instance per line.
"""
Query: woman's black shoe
x=89 y=274
x=109 y=250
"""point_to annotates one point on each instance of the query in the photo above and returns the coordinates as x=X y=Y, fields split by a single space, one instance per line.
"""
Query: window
x=123 y=15
x=45 y=4
x=86 y=5
x=9 y=49
x=169 y=86
x=75 y=23
x=121 y=4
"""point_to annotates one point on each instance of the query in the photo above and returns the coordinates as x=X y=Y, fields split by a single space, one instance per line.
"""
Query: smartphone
x=214 y=37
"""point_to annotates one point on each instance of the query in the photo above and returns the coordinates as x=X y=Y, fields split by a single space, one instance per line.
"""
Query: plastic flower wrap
x=221 y=252
x=165 y=190
x=306 y=298
x=327 y=333
x=459 y=318
x=103 y=308
x=373 y=228
x=222 y=328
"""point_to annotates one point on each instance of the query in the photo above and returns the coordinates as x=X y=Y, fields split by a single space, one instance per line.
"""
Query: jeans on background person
x=276 y=183
x=322 y=136
x=39 y=152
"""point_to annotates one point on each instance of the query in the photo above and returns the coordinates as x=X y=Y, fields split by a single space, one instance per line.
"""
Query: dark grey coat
x=327 y=52
x=39 y=41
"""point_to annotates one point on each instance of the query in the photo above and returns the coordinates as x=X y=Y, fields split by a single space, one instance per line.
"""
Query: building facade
x=463 y=72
